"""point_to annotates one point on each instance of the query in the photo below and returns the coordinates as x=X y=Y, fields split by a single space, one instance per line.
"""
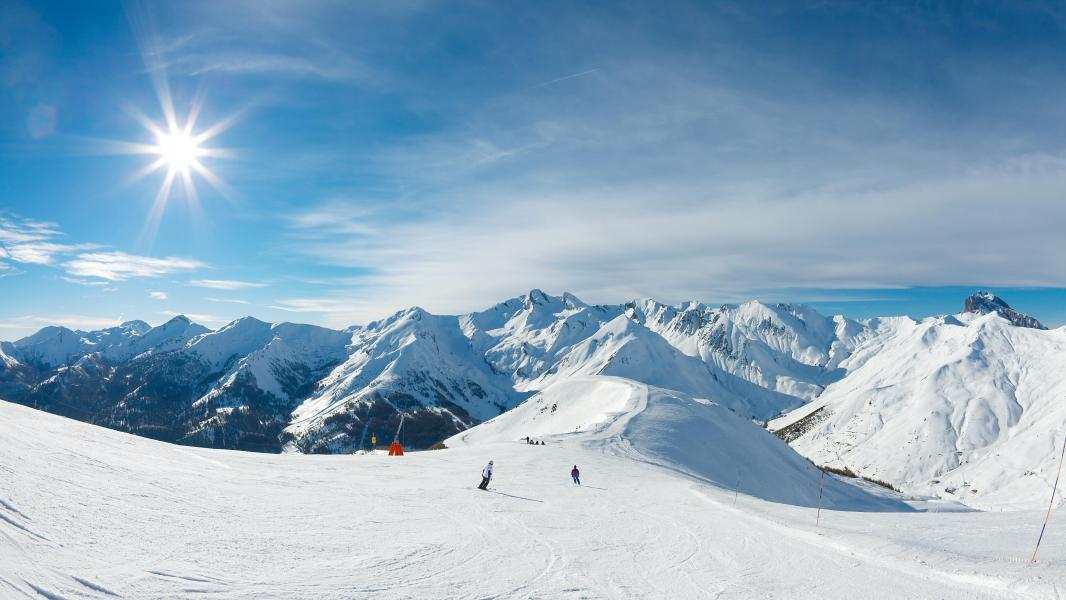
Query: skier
x=486 y=475
x=576 y=475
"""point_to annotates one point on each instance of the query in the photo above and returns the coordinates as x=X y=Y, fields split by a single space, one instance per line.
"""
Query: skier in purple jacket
x=576 y=475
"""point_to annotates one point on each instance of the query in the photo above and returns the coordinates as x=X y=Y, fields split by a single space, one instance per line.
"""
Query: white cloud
x=28 y=324
x=207 y=320
x=225 y=284
x=118 y=266
x=681 y=242
x=85 y=282
x=313 y=305
x=14 y=230
x=157 y=295
x=32 y=242
x=345 y=307
x=337 y=68
x=43 y=253
x=228 y=300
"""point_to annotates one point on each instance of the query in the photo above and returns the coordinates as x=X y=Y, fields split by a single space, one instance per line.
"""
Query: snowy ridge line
x=958 y=406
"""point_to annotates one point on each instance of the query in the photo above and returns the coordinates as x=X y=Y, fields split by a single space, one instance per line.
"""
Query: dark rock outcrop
x=983 y=303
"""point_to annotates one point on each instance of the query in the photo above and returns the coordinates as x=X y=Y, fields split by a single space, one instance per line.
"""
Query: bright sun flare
x=179 y=152
x=179 y=149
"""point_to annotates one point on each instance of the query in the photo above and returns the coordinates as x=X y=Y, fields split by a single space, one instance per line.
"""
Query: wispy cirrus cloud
x=323 y=305
x=678 y=242
x=207 y=320
x=44 y=253
x=226 y=284
x=72 y=321
x=34 y=242
x=335 y=68
x=85 y=282
x=119 y=266
x=227 y=300
x=157 y=295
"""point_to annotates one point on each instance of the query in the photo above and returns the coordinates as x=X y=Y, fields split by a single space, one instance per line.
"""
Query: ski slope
x=87 y=512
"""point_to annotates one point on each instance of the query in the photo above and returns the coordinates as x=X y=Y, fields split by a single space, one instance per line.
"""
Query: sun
x=179 y=150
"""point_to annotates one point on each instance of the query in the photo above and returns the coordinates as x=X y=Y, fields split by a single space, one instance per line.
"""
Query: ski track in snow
x=117 y=516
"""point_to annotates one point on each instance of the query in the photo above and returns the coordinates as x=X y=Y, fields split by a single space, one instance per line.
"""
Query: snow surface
x=968 y=407
x=87 y=512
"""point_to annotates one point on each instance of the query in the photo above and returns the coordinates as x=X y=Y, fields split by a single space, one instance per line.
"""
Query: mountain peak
x=983 y=303
x=536 y=296
x=136 y=325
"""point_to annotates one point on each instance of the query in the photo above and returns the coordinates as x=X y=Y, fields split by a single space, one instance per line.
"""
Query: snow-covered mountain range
x=964 y=405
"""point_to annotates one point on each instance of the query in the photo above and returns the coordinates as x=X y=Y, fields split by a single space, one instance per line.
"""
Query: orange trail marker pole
x=1054 y=490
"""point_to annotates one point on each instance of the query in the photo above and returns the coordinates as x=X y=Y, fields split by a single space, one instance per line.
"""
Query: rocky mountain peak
x=983 y=303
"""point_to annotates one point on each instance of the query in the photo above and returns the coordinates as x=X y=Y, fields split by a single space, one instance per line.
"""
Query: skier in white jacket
x=486 y=475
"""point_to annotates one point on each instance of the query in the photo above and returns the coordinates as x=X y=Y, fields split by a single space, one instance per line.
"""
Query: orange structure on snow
x=396 y=449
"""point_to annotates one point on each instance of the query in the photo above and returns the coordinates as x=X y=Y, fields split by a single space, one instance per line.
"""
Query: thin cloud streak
x=225 y=284
x=573 y=76
x=118 y=266
x=609 y=245
x=228 y=300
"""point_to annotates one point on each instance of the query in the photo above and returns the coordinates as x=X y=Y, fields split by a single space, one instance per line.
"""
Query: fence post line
x=1051 y=503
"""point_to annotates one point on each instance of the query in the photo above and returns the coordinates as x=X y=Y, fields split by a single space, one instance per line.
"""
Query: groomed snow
x=91 y=513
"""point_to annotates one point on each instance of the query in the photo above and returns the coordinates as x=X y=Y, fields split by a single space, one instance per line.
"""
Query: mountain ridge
x=254 y=385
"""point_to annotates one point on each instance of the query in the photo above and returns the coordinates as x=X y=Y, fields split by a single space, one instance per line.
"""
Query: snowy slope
x=966 y=406
x=788 y=348
x=57 y=346
x=447 y=373
x=275 y=358
x=166 y=337
x=694 y=436
x=91 y=513
x=624 y=348
x=413 y=363
x=51 y=346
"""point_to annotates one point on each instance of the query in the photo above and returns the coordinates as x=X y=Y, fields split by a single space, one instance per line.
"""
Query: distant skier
x=576 y=475
x=486 y=476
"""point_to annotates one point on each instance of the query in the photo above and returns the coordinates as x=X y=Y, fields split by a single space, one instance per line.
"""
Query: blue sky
x=864 y=158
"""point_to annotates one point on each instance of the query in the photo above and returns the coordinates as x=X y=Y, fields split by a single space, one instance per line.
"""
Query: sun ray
x=178 y=148
x=214 y=181
x=194 y=112
x=145 y=171
x=155 y=215
x=217 y=128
